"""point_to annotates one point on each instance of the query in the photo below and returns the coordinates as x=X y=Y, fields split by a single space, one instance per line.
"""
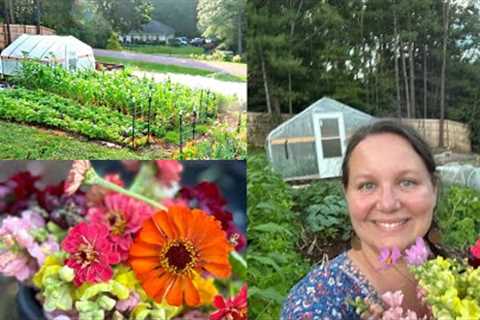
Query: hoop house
x=311 y=145
x=67 y=51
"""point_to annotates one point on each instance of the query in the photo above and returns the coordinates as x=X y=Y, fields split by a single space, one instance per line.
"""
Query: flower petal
x=142 y=249
x=144 y=265
x=192 y=297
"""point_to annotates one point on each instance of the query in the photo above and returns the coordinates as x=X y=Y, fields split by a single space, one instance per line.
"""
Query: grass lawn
x=25 y=142
x=168 y=68
x=162 y=49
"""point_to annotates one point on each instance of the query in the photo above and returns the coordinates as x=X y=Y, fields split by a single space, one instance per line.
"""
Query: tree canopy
x=382 y=57
x=223 y=19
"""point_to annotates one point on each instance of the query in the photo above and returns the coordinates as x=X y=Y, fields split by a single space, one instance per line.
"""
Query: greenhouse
x=312 y=143
x=67 y=51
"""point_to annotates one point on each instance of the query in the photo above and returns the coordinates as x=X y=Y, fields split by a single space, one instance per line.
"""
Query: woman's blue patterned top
x=326 y=291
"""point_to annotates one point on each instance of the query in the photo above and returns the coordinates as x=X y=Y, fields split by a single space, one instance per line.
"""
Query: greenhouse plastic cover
x=466 y=175
x=67 y=51
x=301 y=162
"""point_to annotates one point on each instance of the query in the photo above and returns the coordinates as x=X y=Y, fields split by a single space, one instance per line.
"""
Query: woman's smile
x=391 y=225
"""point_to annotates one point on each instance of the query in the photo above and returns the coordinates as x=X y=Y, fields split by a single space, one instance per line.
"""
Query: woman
x=391 y=188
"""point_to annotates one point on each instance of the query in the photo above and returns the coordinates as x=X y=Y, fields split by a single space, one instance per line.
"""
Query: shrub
x=113 y=43
x=274 y=265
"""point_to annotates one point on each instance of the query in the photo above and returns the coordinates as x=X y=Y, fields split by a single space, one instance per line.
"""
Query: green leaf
x=272 y=227
x=239 y=265
x=267 y=294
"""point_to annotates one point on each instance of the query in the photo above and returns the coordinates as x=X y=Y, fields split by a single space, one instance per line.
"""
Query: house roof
x=156 y=27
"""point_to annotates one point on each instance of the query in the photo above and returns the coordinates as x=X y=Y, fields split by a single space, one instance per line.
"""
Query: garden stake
x=181 y=138
x=239 y=121
x=200 y=108
x=133 y=122
x=149 y=113
x=194 y=120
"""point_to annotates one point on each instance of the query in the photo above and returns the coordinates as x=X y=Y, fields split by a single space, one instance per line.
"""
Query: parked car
x=197 y=42
x=179 y=41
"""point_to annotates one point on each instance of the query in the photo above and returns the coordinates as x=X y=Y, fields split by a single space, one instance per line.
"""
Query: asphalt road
x=163 y=59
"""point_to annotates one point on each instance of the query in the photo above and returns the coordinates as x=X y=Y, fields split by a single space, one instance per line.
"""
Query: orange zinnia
x=171 y=247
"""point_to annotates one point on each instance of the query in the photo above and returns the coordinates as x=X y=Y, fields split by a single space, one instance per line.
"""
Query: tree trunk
x=412 y=78
x=441 y=142
x=37 y=15
x=292 y=32
x=405 y=79
x=240 y=35
x=10 y=12
x=265 y=81
x=425 y=48
x=397 y=75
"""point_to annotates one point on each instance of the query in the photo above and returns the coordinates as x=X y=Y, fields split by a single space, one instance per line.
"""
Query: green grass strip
x=169 y=68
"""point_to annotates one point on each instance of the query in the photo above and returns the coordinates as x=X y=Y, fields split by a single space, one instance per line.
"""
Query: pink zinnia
x=232 y=308
x=91 y=253
x=123 y=216
x=168 y=172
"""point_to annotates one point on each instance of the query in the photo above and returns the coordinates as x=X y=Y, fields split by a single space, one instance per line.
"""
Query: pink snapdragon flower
x=388 y=257
x=123 y=216
x=20 y=254
x=418 y=253
x=393 y=301
x=128 y=304
x=91 y=253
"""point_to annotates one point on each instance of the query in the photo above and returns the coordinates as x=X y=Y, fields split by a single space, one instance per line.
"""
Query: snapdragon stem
x=112 y=186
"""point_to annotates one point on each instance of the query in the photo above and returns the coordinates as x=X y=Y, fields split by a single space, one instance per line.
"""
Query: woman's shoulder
x=326 y=291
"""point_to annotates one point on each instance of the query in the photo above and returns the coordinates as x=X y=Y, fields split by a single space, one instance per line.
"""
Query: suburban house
x=154 y=31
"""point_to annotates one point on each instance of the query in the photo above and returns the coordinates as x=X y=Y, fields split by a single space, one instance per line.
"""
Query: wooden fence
x=16 y=30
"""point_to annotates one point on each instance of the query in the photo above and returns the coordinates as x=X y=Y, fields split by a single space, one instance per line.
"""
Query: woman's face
x=390 y=194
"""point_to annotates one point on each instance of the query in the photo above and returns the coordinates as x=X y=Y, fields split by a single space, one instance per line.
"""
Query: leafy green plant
x=329 y=218
x=274 y=264
x=458 y=217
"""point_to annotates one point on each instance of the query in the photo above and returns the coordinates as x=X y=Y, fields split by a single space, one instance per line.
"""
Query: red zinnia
x=123 y=217
x=232 y=308
x=91 y=253
x=474 y=255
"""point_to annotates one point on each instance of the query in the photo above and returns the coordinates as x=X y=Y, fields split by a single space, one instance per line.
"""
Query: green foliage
x=220 y=142
x=124 y=15
x=122 y=94
x=23 y=142
x=223 y=19
x=274 y=265
x=180 y=15
x=162 y=49
x=113 y=43
x=458 y=217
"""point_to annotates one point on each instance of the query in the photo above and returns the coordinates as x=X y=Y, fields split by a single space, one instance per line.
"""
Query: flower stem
x=112 y=186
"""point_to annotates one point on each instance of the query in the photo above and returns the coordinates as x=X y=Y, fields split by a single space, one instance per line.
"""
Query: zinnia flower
x=388 y=257
x=91 y=253
x=418 y=253
x=474 y=255
x=96 y=193
x=232 y=308
x=16 y=192
x=123 y=217
x=168 y=172
x=172 y=246
x=76 y=176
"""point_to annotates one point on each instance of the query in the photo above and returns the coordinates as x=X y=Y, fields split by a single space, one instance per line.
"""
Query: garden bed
x=121 y=109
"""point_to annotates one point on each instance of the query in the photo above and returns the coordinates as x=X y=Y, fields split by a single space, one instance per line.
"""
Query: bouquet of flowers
x=150 y=251
x=449 y=288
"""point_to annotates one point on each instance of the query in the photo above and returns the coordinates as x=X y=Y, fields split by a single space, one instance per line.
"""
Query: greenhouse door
x=329 y=142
